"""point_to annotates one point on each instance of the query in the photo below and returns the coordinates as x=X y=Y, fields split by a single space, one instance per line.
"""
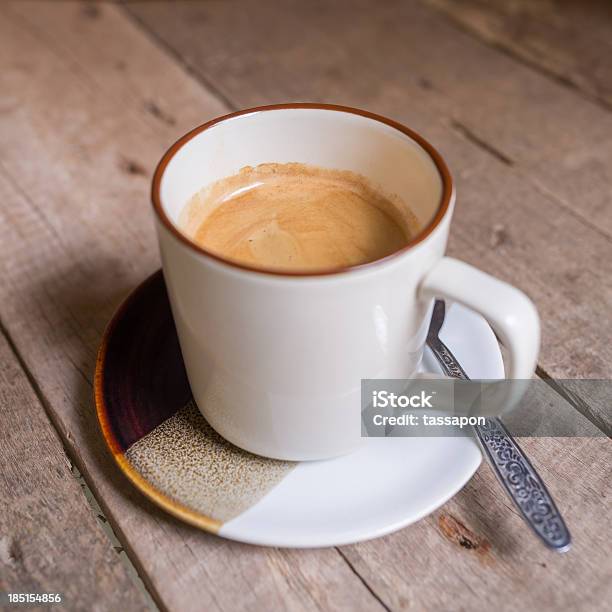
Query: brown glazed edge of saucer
x=106 y=394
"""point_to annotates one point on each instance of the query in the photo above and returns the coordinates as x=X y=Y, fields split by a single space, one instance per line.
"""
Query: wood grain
x=474 y=553
x=79 y=145
x=400 y=57
x=87 y=105
x=569 y=40
x=50 y=541
x=530 y=157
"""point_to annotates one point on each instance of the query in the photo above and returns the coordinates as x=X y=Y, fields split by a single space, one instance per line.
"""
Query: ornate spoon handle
x=512 y=468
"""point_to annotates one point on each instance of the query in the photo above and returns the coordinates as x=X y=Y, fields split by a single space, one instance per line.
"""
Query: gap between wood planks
x=88 y=494
x=447 y=13
x=578 y=403
x=91 y=498
x=573 y=399
x=564 y=81
x=107 y=528
x=483 y=145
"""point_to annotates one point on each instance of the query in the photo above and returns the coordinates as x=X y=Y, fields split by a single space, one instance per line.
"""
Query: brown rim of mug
x=447 y=187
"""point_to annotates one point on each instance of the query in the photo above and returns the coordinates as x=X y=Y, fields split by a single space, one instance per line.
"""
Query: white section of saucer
x=388 y=483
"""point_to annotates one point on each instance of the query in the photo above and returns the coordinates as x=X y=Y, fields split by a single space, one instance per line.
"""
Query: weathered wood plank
x=475 y=554
x=569 y=40
x=529 y=156
x=372 y=53
x=50 y=541
x=79 y=142
x=75 y=249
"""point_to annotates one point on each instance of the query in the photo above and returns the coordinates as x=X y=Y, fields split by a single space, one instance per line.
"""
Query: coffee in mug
x=295 y=216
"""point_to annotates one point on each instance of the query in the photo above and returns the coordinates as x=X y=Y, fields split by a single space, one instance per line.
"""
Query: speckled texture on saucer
x=155 y=432
x=191 y=463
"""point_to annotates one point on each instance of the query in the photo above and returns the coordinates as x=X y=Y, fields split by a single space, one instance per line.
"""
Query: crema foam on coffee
x=297 y=218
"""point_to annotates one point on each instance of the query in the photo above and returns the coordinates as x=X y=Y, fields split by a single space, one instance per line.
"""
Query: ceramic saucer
x=167 y=450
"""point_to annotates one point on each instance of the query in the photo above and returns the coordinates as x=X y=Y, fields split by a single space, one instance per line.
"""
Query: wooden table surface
x=517 y=96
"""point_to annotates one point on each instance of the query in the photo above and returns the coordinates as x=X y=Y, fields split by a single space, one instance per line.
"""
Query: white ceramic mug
x=275 y=360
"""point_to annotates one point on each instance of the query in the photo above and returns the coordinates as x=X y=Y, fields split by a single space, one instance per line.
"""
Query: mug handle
x=511 y=314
